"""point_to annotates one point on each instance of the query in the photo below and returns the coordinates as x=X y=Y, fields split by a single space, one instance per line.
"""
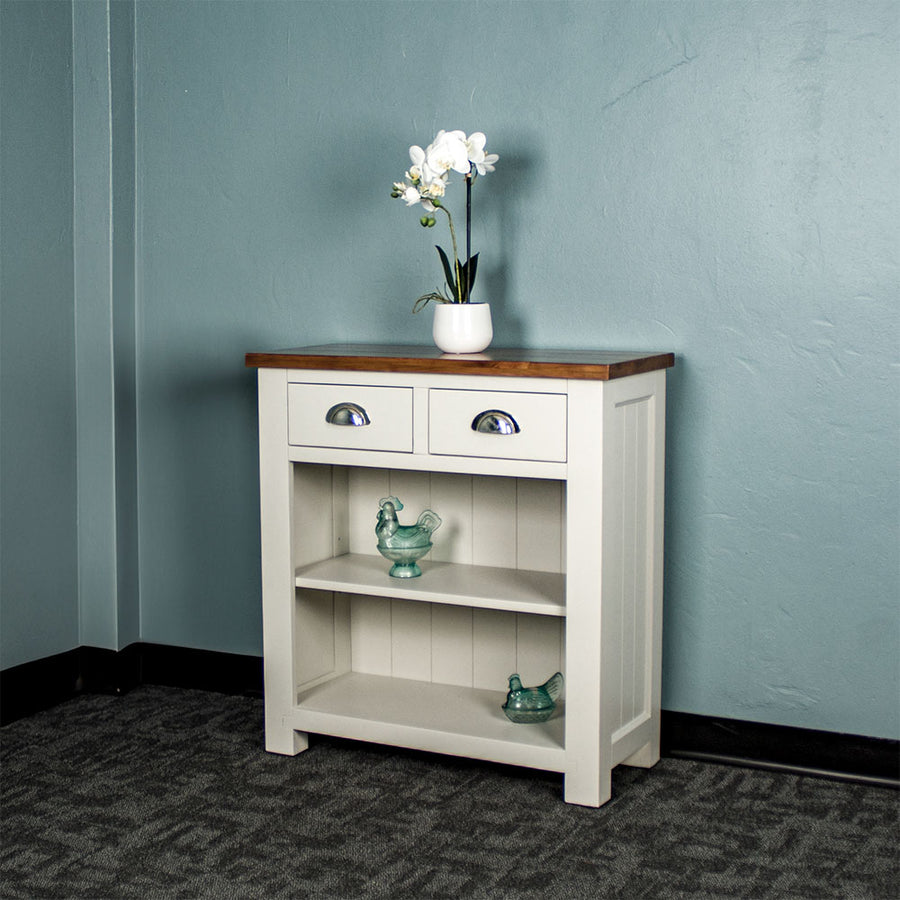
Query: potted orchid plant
x=425 y=184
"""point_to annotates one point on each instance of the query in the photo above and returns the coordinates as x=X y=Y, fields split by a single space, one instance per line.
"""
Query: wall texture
x=721 y=180
x=716 y=179
x=38 y=509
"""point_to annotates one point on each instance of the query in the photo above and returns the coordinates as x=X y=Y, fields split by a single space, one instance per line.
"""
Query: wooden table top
x=597 y=365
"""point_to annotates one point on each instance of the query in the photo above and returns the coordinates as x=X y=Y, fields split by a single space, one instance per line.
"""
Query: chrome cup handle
x=495 y=421
x=347 y=414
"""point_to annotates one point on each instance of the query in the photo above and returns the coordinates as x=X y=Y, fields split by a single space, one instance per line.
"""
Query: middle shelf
x=480 y=587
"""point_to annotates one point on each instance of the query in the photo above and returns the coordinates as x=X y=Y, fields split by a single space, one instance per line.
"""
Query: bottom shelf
x=420 y=715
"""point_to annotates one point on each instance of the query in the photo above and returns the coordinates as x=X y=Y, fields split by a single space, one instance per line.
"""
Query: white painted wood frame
x=549 y=557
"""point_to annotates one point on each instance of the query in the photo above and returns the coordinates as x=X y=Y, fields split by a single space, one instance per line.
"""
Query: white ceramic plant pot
x=462 y=327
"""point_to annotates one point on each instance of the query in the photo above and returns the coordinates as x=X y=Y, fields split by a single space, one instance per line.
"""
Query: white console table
x=549 y=556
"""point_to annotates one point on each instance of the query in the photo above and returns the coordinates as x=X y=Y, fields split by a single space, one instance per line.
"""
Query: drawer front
x=540 y=418
x=388 y=409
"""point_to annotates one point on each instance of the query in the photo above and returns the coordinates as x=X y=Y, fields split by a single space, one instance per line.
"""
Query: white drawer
x=389 y=411
x=540 y=419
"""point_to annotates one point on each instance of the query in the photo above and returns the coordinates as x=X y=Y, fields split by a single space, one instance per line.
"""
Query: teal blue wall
x=69 y=477
x=718 y=179
x=38 y=508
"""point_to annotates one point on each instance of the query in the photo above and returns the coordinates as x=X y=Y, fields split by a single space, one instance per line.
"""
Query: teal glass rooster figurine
x=526 y=706
x=404 y=545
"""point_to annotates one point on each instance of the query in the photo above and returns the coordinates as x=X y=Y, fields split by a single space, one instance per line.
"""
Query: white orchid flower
x=411 y=195
x=420 y=171
x=417 y=158
x=487 y=164
x=475 y=147
x=435 y=189
x=483 y=162
x=448 y=151
x=424 y=167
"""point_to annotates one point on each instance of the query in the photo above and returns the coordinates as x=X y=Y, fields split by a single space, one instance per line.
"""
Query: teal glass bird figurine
x=526 y=706
x=403 y=545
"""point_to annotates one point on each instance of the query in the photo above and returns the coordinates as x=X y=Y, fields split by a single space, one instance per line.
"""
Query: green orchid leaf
x=423 y=301
x=468 y=271
x=449 y=274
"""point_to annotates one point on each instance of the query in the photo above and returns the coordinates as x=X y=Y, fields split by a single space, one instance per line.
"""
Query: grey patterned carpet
x=168 y=793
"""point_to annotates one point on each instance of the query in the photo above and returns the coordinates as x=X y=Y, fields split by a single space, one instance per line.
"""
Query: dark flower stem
x=468 y=235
